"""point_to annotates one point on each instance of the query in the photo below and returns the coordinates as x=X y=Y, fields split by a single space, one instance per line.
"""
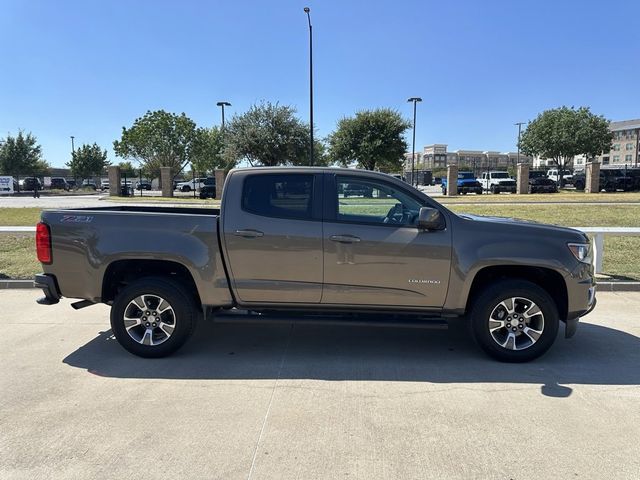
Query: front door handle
x=344 y=238
x=249 y=233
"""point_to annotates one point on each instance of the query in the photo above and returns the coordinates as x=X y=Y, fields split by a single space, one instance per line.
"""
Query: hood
x=570 y=234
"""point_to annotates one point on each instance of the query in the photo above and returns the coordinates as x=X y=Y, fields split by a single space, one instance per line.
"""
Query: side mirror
x=430 y=219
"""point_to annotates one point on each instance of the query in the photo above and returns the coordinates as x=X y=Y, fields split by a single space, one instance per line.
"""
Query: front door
x=373 y=252
x=273 y=237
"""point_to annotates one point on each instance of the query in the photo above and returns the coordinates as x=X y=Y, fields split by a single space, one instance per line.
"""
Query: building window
x=616 y=147
x=616 y=158
x=627 y=158
x=605 y=160
x=629 y=146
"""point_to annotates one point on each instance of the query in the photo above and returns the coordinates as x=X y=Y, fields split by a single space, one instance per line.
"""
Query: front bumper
x=49 y=286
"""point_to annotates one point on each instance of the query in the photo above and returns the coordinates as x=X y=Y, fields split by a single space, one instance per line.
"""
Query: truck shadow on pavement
x=597 y=355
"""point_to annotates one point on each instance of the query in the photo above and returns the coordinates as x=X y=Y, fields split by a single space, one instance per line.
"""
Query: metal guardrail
x=597 y=233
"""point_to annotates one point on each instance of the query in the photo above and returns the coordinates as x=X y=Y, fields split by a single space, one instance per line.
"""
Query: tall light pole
x=519 y=124
x=415 y=100
x=222 y=105
x=73 y=149
x=307 y=10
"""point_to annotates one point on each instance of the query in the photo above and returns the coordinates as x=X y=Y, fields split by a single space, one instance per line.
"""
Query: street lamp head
x=226 y=104
x=414 y=99
x=307 y=9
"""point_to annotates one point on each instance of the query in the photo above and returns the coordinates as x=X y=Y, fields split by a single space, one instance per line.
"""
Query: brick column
x=592 y=180
x=166 y=181
x=220 y=176
x=452 y=180
x=114 y=181
x=522 y=182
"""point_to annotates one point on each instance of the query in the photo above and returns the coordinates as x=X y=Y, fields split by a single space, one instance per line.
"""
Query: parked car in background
x=467 y=183
x=89 y=184
x=193 y=184
x=59 y=183
x=104 y=185
x=356 y=190
x=208 y=191
x=567 y=177
x=143 y=185
x=612 y=179
x=30 y=183
x=540 y=183
x=497 y=182
x=71 y=183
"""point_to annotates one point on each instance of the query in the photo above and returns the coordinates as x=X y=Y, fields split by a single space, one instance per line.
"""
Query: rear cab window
x=280 y=195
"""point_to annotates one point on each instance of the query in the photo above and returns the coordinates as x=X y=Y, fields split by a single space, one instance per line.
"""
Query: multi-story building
x=625 y=148
x=436 y=156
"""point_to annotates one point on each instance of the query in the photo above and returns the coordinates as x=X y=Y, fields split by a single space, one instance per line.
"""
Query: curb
x=601 y=286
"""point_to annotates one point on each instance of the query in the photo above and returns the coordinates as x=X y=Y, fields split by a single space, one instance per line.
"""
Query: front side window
x=371 y=201
x=279 y=195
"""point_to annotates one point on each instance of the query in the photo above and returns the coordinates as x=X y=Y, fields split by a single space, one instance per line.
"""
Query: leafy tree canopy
x=22 y=155
x=87 y=161
x=126 y=168
x=374 y=139
x=158 y=139
x=562 y=133
x=208 y=150
x=269 y=134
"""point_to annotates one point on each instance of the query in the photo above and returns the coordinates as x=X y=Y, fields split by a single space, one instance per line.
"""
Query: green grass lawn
x=19 y=216
x=564 y=196
x=621 y=257
x=18 y=256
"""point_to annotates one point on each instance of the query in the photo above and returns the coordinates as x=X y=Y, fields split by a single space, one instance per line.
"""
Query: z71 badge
x=76 y=219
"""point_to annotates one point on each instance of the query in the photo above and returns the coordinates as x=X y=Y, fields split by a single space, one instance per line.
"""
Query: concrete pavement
x=306 y=402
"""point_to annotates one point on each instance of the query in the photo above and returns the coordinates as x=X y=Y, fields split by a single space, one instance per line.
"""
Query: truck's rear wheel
x=153 y=317
x=514 y=321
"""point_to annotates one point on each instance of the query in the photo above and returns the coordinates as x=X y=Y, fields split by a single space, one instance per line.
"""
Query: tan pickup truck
x=323 y=242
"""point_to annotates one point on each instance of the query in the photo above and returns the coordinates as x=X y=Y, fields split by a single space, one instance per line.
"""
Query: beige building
x=436 y=156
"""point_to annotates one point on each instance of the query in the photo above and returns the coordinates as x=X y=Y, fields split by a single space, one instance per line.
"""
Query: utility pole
x=414 y=179
x=307 y=10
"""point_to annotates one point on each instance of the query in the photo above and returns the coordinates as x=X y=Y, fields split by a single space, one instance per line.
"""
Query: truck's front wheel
x=514 y=321
x=153 y=317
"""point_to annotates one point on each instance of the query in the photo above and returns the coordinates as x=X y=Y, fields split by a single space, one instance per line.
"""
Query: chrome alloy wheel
x=516 y=323
x=149 y=320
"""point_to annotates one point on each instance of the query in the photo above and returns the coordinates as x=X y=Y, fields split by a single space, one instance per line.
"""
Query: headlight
x=580 y=251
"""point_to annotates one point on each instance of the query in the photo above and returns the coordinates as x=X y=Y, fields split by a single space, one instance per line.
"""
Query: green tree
x=269 y=134
x=126 y=168
x=208 y=150
x=87 y=161
x=562 y=133
x=22 y=155
x=374 y=139
x=158 y=139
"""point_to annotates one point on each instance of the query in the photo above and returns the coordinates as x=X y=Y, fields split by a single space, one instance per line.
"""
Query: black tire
x=184 y=313
x=579 y=185
x=494 y=190
x=186 y=188
x=489 y=300
x=444 y=191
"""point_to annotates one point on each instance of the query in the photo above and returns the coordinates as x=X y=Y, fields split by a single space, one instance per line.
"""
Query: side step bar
x=396 y=321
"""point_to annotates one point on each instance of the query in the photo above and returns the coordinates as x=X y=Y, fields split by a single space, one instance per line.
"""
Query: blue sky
x=87 y=68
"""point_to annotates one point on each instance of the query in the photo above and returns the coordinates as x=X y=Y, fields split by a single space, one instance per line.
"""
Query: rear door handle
x=249 y=233
x=344 y=238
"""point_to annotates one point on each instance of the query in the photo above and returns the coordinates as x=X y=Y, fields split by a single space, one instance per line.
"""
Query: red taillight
x=43 y=242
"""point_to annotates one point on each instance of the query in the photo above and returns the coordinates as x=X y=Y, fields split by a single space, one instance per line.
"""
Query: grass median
x=621 y=256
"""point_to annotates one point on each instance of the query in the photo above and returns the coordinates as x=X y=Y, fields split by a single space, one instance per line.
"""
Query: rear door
x=272 y=228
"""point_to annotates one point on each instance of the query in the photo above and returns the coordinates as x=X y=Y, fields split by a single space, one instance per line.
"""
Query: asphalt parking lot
x=306 y=402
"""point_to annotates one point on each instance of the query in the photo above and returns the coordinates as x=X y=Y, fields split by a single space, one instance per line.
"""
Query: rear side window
x=279 y=195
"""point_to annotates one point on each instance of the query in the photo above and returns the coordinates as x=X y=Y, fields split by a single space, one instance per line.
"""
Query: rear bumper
x=49 y=286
